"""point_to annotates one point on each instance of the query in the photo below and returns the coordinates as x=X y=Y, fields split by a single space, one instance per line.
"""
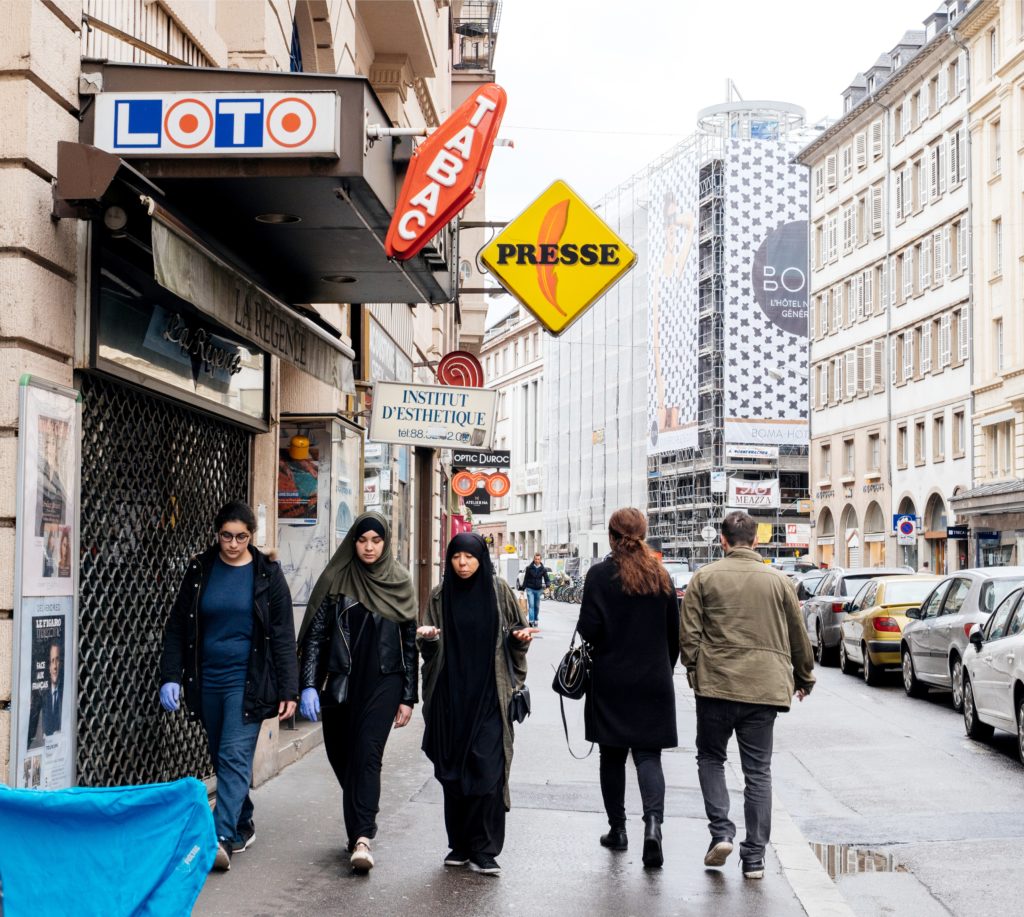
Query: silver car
x=935 y=638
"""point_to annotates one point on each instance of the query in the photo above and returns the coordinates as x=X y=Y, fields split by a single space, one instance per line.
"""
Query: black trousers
x=354 y=736
x=475 y=824
x=649 y=776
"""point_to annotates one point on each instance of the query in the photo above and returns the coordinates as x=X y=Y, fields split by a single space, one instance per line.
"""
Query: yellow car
x=874 y=621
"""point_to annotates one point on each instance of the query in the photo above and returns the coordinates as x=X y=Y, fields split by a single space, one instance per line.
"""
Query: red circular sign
x=460 y=368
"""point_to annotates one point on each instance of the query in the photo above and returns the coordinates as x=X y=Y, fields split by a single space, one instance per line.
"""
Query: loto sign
x=217 y=123
x=446 y=171
x=557 y=257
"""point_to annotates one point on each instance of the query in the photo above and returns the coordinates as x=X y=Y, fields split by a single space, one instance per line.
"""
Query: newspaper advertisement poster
x=43 y=723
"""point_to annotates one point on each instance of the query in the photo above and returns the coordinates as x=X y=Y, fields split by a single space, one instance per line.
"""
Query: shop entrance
x=154 y=474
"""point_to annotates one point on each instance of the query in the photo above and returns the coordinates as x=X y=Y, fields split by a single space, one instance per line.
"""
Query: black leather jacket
x=326 y=660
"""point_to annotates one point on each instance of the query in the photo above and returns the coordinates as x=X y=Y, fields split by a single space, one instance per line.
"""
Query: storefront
x=995 y=515
x=191 y=332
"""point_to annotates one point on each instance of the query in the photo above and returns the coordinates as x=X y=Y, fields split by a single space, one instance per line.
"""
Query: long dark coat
x=635 y=640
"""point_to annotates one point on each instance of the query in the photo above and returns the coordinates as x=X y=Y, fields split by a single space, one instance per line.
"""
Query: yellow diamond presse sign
x=557 y=257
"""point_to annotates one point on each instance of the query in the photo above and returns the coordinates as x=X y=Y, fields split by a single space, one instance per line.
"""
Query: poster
x=297 y=488
x=761 y=494
x=43 y=724
x=44 y=737
x=49 y=481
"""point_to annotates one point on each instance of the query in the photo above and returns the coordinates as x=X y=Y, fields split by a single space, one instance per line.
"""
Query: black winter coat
x=273 y=669
x=635 y=640
x=326 y=657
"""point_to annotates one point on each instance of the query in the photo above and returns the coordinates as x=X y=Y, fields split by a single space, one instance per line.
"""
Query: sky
x=596 y=90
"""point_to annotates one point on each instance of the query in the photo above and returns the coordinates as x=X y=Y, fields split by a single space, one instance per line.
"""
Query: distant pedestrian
x=630 y=617
x=358 y=669
x=924 y=568
x=535 y=581
x=473 y=626
x=746 y=651
x=230 y=642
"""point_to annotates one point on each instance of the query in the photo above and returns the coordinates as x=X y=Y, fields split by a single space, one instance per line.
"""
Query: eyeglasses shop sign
x=432 y=415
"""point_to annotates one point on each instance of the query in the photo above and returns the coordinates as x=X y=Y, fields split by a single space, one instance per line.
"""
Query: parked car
x=825 y=610
x=807 y=583
x=680 y=574
x=874 y=622
x=993 y=673
x=793 y=564
x=935 y=638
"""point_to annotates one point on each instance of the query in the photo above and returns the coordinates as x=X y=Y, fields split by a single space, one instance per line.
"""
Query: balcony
x=475 y=27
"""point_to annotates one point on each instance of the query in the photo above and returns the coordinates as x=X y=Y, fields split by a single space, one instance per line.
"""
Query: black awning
x=310 y=228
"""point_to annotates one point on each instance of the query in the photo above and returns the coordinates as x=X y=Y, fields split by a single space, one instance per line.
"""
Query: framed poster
x=43 y=725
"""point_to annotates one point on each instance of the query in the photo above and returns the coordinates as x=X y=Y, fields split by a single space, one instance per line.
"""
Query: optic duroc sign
x=557 y=257
x=217 y=123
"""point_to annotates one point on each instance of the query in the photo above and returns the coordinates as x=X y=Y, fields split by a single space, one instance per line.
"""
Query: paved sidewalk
x=552 y=863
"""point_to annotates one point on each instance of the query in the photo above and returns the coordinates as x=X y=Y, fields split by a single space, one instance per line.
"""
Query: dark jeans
x=533 y=604
x=232 y=743
x=753 y=724
x=649 y=776
x=475 y=824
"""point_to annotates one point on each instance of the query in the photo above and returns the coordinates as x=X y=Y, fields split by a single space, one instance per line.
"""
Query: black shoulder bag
x=572 y=680
x=519 y=703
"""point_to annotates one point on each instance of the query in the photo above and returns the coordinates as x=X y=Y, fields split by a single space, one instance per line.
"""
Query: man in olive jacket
x=745 y=648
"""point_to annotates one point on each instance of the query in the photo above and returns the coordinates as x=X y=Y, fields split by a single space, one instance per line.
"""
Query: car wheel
x=956 y=675
x=845 y=666
x=872 y=673
x=974 y=727
x=911 y=685
x=1020 y=730
x=818 y=647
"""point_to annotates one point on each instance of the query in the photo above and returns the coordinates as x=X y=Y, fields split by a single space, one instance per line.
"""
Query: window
x=879 y=286
x=876 y=139
x=945 y=348
x=819 y=182
x=918 y=190
x=998 y=325
x=963 y=342
x=849 y=229
x=862 y=219
x=962 y=251
x=915 y=110
x=819 y=244
x=837 y=379
x=926 y=348
x=876 y=210
x=823 y=313
x=1006 y=447
x=878 y=364
x=837 y=308
x=826 y=463
x=935 y=95
x=925 y=265
x=938 y=437
x=830 y=171
x=997 y=149
x=901 y=446
x=846 y=160
x=905 y=118
x=832 y=237
x=997 y=247
x=821 y=385
x=919 y=442
x=874 y=452
x=959 y=431
x=956 y=151
x=867 y=292
x=940 y=242
x=849 y=458
x=993 y=52
x=850 y=371
x=860 y=147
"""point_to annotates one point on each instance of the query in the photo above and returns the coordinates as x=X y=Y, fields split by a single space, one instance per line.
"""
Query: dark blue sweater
x=226 y=608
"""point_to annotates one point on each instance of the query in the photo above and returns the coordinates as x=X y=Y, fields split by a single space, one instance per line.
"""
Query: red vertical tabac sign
x=445 y=172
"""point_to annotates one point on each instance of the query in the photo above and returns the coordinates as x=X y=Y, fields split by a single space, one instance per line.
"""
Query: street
x=853 y=766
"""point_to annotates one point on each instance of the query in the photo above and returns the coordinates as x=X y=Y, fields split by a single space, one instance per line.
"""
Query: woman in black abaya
x=472 y=616
x=358 y=662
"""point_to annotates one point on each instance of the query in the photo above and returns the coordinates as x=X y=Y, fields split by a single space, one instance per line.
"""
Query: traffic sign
x=708 y=533
x=557 y=257
x=906 y=530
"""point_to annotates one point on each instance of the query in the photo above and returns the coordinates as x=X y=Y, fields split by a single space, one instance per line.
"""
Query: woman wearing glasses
x=230 y=643
x=358 y=664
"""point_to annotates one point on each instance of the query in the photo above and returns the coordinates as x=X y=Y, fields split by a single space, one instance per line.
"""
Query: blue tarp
x=112 y=851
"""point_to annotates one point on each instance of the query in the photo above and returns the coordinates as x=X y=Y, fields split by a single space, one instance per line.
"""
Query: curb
x=817 y=893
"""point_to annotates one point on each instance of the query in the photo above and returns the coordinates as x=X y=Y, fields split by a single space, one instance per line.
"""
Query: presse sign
x=217 y=123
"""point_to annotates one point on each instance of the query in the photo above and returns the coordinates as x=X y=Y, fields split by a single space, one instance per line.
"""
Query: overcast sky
x=596 y=91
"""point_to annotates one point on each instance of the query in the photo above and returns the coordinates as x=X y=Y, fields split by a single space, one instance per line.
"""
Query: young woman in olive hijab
x=358 y=668
x=467 y=686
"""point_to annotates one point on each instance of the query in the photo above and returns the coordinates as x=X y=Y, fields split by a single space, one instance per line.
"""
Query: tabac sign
x=557 y=257
x=445 y=172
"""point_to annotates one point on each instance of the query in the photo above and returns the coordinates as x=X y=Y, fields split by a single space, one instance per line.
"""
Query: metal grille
x=154 y=475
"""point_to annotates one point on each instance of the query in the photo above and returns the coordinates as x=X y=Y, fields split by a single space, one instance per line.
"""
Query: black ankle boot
x=616 y=838
x=652 y=841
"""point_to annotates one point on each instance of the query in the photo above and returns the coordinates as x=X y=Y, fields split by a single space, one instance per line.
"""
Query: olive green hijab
x=384 y=587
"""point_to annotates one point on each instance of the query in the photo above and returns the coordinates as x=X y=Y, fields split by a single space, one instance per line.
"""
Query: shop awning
x=309 y=227
x=986 y=499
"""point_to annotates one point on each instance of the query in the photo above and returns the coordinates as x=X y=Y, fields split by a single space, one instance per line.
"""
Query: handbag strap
x=508 y=658
x=565 y=726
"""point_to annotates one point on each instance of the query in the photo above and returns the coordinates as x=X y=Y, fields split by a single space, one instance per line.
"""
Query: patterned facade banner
x=765 y=322
x=672 y=297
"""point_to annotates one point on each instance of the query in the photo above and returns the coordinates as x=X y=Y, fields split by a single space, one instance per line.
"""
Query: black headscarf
x=464 y=736
x=384 y=587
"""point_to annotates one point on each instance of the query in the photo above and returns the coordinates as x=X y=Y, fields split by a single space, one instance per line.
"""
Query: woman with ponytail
x=630 y=618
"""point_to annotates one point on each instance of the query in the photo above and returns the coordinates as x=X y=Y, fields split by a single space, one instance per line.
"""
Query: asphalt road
x=881 y=782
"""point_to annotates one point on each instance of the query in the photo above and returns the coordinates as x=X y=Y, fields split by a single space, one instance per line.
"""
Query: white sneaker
x=361 y=859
